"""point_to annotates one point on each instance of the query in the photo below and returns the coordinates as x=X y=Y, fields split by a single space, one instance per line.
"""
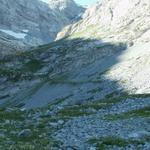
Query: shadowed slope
x=65 y=64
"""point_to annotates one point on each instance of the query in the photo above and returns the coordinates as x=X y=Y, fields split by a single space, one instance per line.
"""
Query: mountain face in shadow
x=75 y=60
x=31 y=23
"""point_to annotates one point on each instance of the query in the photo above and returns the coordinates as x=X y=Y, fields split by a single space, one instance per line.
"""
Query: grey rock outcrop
x=30 y=23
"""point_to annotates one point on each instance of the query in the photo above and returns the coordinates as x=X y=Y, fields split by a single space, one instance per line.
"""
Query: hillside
x=28 y=23
x=88 y=90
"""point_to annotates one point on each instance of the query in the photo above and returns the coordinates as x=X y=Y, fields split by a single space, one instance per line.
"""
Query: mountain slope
x=124 y=21
x=32 y=23
x=87 y=91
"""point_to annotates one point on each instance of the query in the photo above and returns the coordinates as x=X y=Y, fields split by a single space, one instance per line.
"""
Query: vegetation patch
x=103 y=142
x=40 y=137
x=74 y=111
x=60 y=100
x=146 y=95
x=96 y=90
x=90 y=30
x=82 y=109
x=11 y=115
x=10 y=74
x=143 y=112
x=64 y=79
x=116 y=97
x=33 y=65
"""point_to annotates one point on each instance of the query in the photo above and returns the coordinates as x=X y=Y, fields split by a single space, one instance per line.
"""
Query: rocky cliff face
x=87 y=91
x=30 y=23
x=67 y=7
x=123 y=20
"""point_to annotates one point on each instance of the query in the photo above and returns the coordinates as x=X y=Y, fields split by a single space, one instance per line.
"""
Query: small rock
x=61 y=122
x=25 y=133
x=92 y=148
x=59 y=107
x=53 y=124
x=7 y=121
x=130 y=44
x=91 y=110
x=23 y=109
x=2 y=135
x=48 y=113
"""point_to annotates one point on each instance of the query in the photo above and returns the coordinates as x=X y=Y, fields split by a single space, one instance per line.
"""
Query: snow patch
x=14 y=34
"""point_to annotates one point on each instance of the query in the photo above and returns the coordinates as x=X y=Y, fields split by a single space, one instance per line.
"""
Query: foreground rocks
x=114 y=125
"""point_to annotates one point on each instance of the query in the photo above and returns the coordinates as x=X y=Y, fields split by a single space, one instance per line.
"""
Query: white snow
x=14 y=34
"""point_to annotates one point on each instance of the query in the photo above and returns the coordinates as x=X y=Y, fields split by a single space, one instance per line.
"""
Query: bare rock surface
x=32 y=23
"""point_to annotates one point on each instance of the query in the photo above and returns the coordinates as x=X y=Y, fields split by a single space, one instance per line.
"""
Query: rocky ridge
x=28 y=23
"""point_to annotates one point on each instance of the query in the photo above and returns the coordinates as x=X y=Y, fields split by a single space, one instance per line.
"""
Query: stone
x=7 y=121
x=90 y=110
x=60 y=122
x=92 y=148
x=48 y=113
x=2 y=135
x=53 y=124
x=23 y=109
x=25 y=133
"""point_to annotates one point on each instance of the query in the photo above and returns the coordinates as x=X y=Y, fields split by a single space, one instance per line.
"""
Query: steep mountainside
x=33 y=22
x=123 y=20
x=126 y=21
x=89 y=90
x=67 y=7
